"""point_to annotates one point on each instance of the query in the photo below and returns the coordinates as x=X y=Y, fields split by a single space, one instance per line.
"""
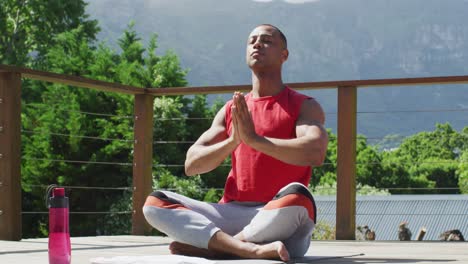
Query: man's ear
x=285 y=55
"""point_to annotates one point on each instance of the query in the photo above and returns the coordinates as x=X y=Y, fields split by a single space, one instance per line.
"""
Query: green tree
x=426 y=160
x=462 y=173
x=61 y=128
x=368 y=168
x=29 y=27
x=326 y=174
x=368 y=164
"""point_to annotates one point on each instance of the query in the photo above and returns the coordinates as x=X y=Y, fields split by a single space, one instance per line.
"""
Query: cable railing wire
x=357 y=163
x=78 y=212
x=412 y=162
x=224 y=165
x=228 y=165
x=80 y=187
x=388 y=188
x=407 y=111
x=182 y=118
x=172 y=142
x=335 y=113
x=313 y=188
x=80 y=112
x=74 y=136
x=399 y=137
x=394 y=137
x=222 y=189
x=415 y=111
x=80 y=161
x=404 y=162
x=211 y=118
x=410 y=213
x=182 y=165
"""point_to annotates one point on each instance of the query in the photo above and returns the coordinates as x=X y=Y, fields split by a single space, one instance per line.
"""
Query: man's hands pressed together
x=243 y=128
x=308 y=148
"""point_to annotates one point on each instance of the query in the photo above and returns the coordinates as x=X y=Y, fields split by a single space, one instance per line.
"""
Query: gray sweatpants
x=198 y=221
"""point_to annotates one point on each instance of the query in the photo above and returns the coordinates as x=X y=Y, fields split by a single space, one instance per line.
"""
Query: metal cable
x=182 y=118
x=390 y=188
x=182 y=165
x=79 y=112
x=398 y=137
x=109 y=212
x=384 y=137
x=406 y=162
x=412 y=162
x=80 y=187
x=175 y=189
x=228 y=165
x=75 y=136
x=330 y=163
x=169 y=141
x=414 y=111
x=81 y=161
x=405 y=111
x=173 y=142
x=428 y=214
x=419 y=188
x=210 y=118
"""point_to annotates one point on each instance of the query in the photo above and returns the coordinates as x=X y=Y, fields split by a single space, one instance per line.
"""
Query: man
x=274 y=135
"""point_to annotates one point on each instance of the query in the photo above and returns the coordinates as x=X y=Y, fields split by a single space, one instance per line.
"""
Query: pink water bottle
x=59 y=234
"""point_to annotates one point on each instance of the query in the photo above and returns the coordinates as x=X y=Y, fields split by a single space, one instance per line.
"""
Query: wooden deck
x=34 y=251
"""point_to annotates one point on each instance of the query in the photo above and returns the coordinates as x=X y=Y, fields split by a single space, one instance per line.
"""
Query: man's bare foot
x=178 y=248
x=274 y=250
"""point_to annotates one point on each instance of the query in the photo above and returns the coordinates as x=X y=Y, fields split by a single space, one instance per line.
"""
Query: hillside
x=328 y=40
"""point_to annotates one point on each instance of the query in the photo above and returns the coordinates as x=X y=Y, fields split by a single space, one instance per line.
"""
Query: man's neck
x=266 y=84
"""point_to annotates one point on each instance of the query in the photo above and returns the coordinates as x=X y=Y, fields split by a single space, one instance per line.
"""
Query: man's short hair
x=282 y=36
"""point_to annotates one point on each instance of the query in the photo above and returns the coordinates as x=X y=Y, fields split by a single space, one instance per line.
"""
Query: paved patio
x=34 y=251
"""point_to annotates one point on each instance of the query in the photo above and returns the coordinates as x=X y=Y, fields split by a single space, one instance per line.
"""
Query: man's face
x=265 y=48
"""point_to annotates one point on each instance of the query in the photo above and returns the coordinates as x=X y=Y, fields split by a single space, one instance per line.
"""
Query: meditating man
x=274 y=136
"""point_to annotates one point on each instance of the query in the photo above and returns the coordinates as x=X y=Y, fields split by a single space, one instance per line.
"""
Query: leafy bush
x=323 y=231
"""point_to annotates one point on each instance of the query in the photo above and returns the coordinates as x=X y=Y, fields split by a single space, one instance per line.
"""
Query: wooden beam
x=119 y=88
x=10 y=156
x=374 y=83
x=199 y=90
x=346 y=167
x=142 y=161
x=73 y=80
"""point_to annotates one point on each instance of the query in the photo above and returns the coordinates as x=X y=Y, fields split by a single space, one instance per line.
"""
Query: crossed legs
x=234 y=230
x=222 y=245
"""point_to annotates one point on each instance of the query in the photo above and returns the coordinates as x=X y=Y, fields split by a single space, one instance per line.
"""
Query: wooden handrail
x=127 y=89
x=461 y=79
x=72 y=80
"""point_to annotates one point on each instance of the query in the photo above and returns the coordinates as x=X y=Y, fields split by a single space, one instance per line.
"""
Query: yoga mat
x=154 y=259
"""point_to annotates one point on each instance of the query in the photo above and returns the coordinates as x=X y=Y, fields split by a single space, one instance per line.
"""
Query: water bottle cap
x=59 y=192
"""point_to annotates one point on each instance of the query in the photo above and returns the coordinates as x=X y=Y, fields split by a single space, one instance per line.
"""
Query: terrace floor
x=34 y=251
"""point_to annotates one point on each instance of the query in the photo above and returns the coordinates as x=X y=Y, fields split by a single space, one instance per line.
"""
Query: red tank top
x=256 y=176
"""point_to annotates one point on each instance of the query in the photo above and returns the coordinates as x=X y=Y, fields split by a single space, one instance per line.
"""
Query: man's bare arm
x=308 y=148
x=210 y=150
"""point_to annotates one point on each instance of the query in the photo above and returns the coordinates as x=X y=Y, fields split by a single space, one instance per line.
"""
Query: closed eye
x=266 y=39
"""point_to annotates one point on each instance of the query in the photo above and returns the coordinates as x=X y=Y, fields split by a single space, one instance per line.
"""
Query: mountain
x=327 y=40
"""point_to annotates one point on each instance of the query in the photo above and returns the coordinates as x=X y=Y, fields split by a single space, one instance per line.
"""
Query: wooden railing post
x=10 y=156
x=346 y=167
x=142 y=160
